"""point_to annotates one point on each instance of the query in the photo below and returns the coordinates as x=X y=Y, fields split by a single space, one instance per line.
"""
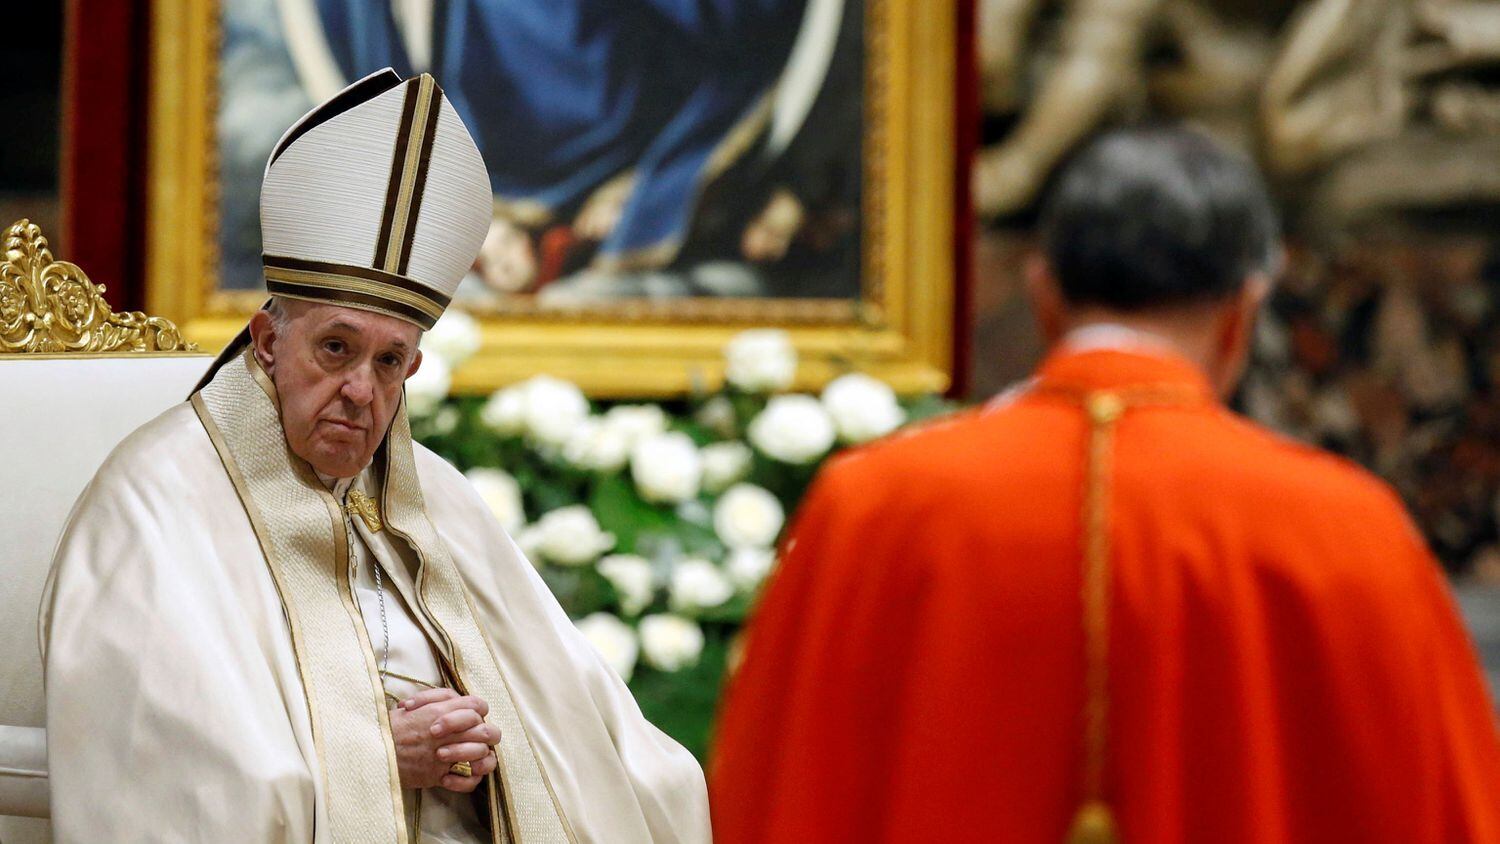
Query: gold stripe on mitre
x=301 y=531
x=360 y=287
x=408 y=179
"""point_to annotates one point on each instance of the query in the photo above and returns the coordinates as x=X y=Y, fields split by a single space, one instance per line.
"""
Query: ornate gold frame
x=901 y=330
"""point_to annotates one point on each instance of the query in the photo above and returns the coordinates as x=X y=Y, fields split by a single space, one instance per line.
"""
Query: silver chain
x=385 y=629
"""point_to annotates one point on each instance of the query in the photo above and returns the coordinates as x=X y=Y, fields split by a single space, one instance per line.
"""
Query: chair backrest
x=75 y=379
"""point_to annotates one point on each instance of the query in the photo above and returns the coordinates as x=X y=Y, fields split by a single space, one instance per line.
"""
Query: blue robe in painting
x=562 y=95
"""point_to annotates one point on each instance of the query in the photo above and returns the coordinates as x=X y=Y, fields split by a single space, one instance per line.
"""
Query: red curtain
x=966 y=125
x=106 y=63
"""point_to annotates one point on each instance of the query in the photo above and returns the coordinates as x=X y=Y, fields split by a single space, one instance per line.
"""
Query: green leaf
x=580 y=590
x=699 y=540
x=547 y=494
x=926 y=407
x=701 y=435
x=746 y=407
x=734 y=611
x=622 y=512
x=787 y=482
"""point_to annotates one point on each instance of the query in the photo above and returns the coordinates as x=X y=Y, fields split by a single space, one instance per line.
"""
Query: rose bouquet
x=654 y=525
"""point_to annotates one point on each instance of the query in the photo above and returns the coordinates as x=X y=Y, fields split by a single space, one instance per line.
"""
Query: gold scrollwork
x=50 y=306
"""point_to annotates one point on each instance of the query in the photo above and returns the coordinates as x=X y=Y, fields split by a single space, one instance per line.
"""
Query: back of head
x=1157 y=217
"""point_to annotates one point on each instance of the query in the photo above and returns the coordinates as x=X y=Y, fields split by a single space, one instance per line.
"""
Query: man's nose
x=359 y=386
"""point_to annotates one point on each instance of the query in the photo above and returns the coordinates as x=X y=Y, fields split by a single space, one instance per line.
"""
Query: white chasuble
x=211 y=674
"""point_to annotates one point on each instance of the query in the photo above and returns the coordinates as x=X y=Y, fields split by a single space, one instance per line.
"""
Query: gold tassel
x=1094 y=824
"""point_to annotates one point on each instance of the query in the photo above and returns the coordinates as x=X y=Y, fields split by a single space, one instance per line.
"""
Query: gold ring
x=463 y=769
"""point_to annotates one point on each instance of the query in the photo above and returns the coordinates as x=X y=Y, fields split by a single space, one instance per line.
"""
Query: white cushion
x=62 y=416
x=23 y=771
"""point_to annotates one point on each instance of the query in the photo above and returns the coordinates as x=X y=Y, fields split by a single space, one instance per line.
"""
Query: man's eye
x=335 y=347
x=390 y=360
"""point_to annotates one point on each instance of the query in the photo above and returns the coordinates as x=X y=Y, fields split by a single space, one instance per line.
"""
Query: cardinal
x=1103 y=607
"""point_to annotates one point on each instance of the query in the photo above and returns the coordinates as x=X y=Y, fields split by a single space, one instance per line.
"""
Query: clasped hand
x=437 y=728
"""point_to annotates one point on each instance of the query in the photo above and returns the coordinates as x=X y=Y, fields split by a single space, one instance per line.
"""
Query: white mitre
x=377 y=199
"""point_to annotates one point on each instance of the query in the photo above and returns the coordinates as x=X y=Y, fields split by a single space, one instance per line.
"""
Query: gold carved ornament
x=50 y=306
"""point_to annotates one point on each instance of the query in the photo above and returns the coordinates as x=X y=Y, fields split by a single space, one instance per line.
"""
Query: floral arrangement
x=654 y=524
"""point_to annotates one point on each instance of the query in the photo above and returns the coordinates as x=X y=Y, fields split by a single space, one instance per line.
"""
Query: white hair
x=280 y=313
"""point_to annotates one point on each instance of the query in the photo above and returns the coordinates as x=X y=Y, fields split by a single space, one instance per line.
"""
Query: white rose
x=749 y=566
x=596 y=446
x=553 y=409
x=725 y=464
x=571 y=536
x=862 y=408
x=748 y=517
x=613 y=639
x=636 y=422
x=632 y=578
x=717 y=415
x=793 y=429
x=454 y=338
x=503 y=496
x=426 y=389
x=504 y=412
x=670 y=642
x=761 y=361
x=698 y=584
x=666 y=468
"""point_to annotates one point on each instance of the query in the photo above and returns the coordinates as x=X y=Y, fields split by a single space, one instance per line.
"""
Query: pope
x=274 y=617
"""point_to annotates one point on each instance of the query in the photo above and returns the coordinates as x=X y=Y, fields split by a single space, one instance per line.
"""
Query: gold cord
x=1094 y=823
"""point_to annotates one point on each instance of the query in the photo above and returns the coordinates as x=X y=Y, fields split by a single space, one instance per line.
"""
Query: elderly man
x=273 y=617
x=1103 y=607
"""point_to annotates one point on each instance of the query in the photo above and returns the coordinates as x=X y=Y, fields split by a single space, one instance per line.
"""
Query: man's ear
x=1240 y=323
x=1237 y=329
x=263 y=339
x=416 y=364
x=1046 y=297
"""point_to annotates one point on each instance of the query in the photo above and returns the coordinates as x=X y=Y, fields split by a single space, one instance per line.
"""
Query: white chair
x=75 y=379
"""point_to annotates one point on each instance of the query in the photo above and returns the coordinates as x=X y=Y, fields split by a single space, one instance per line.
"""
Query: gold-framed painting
x=663 y=178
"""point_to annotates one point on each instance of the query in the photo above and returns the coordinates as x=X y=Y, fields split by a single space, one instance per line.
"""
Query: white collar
x=338 y=486
x=1114 y=336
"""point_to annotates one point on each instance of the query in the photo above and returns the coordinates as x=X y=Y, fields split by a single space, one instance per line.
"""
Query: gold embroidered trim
x=300 y=530
x=344 y=556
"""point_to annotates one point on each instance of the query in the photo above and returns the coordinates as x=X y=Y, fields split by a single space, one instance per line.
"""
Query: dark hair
x=1158 y=216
